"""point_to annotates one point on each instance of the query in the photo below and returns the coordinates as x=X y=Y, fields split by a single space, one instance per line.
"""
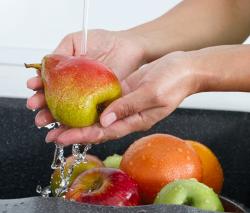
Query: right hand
x=120 y=51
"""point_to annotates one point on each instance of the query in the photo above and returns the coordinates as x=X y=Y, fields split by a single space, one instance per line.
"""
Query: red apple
x=104 y=186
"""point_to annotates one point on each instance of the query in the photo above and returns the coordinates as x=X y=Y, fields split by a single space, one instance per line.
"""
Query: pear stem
x=36 y=66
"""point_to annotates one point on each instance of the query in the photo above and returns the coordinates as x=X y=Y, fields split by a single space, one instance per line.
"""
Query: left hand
x=121 y=51
x=149 y=95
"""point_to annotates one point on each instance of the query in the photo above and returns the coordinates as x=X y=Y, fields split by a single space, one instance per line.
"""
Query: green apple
x=92 y=162
x=189 y=192
x=113 y=161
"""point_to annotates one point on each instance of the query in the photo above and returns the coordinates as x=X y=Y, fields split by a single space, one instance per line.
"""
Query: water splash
x=58 y=157
x=52 y=125
x=59 y=162
x=44 y=192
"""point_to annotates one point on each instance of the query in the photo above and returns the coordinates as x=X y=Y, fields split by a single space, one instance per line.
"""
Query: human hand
x=118 y=50
x=150 y=94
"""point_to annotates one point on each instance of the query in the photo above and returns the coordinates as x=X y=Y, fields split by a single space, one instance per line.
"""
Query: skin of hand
x=150 y=94
x=118 y=50
x=154 y=91
x=194 y=24
x=183 y=27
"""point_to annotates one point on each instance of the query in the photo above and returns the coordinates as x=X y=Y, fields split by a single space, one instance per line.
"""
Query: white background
x=30 y=29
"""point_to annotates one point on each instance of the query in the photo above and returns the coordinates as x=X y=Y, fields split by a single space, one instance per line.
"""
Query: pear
x=76 y=88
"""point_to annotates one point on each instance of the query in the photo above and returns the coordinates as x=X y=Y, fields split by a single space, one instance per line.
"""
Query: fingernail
x=109 y=119
x=29 y=107
x=47 y=140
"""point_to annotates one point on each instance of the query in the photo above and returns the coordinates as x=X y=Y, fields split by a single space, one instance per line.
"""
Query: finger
x=37 y=101
x=92 y=134
x=134 y=123
x=43 y=118
x=135 y=98
x=66 y=46
x=53 y=134
x=136 y=101
x=35 y=83
x=96 y=134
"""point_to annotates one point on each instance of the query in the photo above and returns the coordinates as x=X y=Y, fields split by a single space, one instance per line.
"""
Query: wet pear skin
x=77 y=88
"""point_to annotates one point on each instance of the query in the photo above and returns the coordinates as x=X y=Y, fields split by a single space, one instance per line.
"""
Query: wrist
x=192 y=77
x=137 y=36
x=187 y=68
x=204 y=70
x=136 y=41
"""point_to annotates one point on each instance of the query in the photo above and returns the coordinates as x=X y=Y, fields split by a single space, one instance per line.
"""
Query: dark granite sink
x=25 y=158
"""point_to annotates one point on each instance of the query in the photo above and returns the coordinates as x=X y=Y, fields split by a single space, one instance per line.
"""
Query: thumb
x=133 y=102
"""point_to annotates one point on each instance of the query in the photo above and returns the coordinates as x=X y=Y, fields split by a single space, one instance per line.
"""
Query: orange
x=158 y=159
x=212 y=170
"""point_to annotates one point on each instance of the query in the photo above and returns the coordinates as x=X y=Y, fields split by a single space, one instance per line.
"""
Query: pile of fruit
x=157 y=169
x=160 y=169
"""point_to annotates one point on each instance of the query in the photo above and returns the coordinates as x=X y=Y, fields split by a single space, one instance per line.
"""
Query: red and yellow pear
x=77 y=88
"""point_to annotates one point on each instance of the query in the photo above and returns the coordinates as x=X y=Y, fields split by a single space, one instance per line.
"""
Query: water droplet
x=50 y=126
x=180 y=150
x=58 y=157
x=163 y=184
x=44 y=192
x=39 y=189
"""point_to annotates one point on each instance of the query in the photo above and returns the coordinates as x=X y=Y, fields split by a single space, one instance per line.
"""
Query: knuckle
x=109 y=134
x=146 y=124
x=159 y=96
x=68 y=37
x=155 y=93
x=125 y=110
